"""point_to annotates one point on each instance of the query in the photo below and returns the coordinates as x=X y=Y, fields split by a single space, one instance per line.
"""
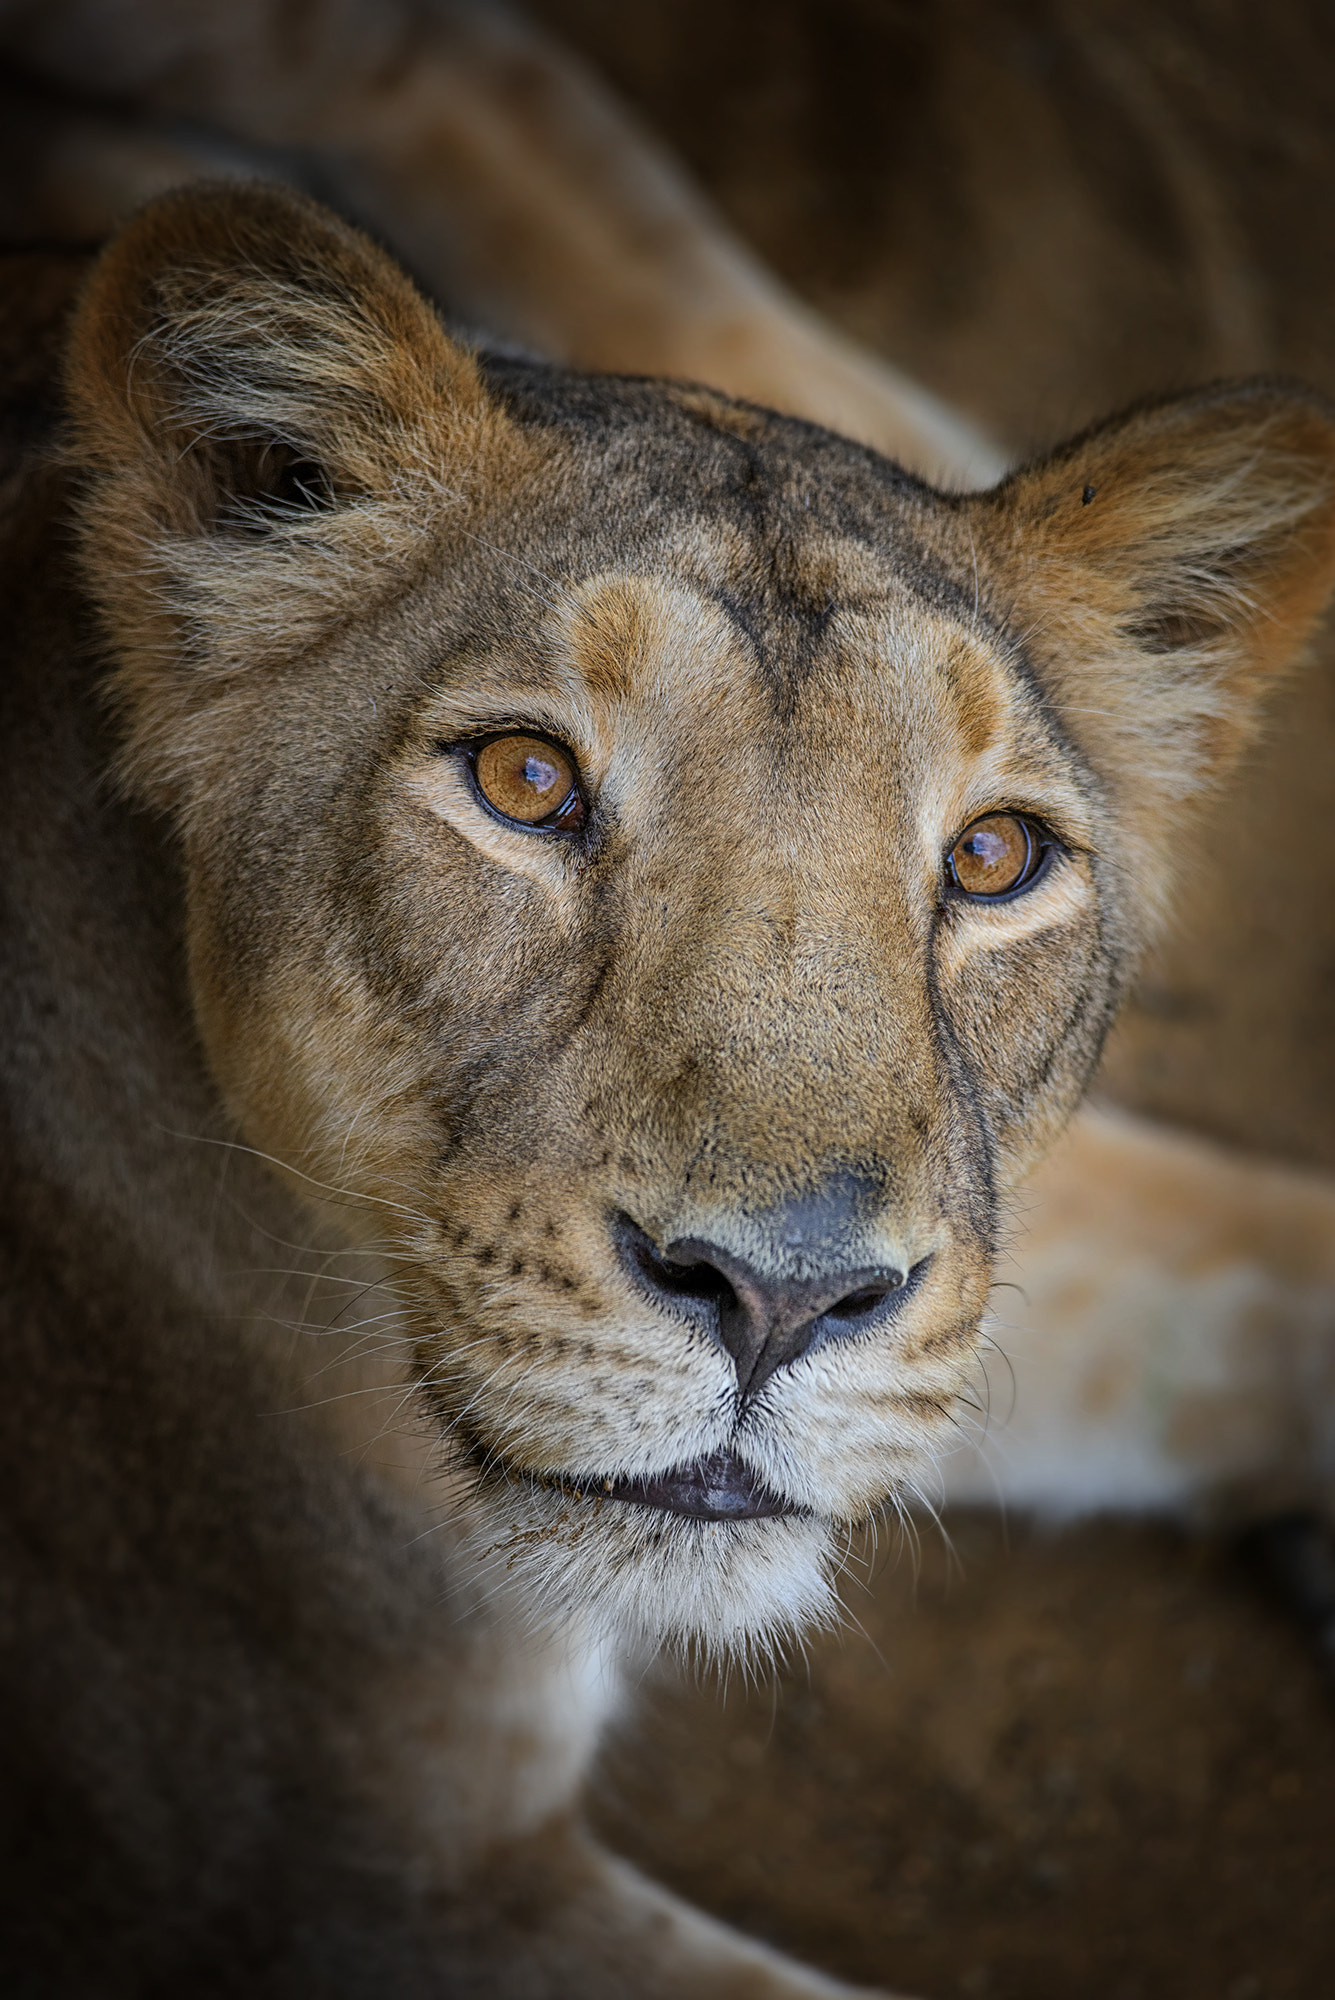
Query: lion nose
x=765 y=1323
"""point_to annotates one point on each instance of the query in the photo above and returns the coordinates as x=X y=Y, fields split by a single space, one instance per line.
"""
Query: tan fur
x=1044 y=211
x=1161 y=1335
x=790 y=677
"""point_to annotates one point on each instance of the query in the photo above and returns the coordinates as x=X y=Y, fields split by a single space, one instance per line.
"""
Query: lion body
x=336 y=1101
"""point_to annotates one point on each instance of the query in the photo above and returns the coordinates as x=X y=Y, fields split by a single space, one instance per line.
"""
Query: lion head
x=673 y=869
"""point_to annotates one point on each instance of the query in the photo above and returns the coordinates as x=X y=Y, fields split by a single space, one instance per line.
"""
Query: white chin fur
x=638 y=1579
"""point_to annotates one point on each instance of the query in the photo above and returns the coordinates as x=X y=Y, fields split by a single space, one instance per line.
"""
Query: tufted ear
x=270 y=418
x=1162 y=570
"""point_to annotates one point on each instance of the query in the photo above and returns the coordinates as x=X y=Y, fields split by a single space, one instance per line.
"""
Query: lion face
x=655 y=860
x=690 y=1120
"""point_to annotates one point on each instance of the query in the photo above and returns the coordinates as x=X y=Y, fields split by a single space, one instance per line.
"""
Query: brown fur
x=790 y=675
x=323 y=540
x=1040 y=213
x=1044 y=210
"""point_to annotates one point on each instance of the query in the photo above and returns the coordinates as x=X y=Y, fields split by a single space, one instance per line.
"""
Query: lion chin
x=638 y=1579
x=715 y=1559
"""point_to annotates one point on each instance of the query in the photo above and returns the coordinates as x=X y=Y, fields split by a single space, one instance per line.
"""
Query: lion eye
x=530 y=780
x=997 y=855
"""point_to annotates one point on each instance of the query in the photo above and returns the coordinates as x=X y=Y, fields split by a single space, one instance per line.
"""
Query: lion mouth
x=718 y=1488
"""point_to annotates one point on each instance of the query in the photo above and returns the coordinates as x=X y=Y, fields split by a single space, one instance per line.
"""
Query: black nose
x=763 y=1322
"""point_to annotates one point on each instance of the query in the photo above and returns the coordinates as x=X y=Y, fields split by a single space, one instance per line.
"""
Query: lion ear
x=269 y=416
x=1162 y=570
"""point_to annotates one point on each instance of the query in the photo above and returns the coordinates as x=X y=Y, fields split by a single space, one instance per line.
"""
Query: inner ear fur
x=269 y=416
x=1160 y=571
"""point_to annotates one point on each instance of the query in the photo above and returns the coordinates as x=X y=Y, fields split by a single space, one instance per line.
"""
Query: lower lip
x=717 y=1488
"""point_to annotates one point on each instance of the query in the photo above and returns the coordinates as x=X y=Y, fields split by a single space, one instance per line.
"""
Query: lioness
x=1170 y=1336
x=603 y=890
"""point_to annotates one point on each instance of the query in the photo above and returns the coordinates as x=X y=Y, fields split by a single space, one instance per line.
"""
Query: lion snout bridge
x=764 y=1321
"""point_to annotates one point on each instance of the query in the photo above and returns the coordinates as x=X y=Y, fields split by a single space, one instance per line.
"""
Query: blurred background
x=1041 y=208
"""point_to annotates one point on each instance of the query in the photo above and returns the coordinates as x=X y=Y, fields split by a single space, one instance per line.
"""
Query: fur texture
x=327 y=546
x=790 y=676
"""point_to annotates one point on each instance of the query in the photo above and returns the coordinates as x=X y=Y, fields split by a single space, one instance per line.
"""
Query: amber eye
x=997 y=855
x=530 y=780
